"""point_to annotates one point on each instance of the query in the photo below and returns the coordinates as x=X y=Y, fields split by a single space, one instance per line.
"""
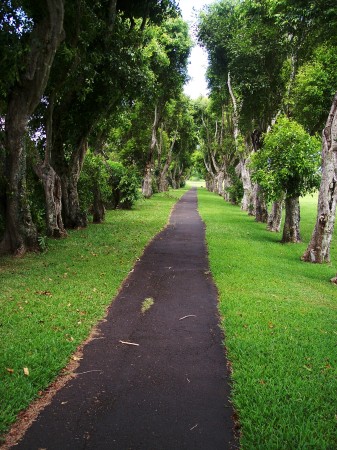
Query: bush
x=117 y=184
x=124 y=184
x=95 y=175
x=236 y=190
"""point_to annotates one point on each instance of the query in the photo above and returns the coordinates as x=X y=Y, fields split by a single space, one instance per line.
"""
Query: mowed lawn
x=49 y=302
x=280 y=320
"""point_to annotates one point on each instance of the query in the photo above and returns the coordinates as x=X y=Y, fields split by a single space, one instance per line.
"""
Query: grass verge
x=49 y=302
x=279 y=315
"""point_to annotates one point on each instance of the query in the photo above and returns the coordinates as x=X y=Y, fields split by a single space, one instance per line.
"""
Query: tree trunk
x=291 y=229
x=221 y=177
x=51 y=183
x=163 y=184
x=226 y=185
x=247 y=199
x=98 y=206
x=20 y=233
x=261 y=212
x=73 y=217
x=215 y=184
x=147 y=180
x=318 y=250
x=53 y=198
x=209 y=182
x=275 y=216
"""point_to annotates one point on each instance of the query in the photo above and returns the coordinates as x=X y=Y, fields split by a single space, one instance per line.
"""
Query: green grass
x=191 y=183
x=279 y=316
x=49 y=302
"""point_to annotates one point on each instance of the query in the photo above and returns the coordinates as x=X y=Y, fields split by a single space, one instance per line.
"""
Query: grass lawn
x=279 y=315
x=49 y=302
x=191 y=183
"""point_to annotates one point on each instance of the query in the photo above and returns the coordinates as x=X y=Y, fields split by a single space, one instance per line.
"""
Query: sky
x=198 y=60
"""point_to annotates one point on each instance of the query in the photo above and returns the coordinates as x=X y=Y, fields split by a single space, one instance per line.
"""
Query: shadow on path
x=171 y=391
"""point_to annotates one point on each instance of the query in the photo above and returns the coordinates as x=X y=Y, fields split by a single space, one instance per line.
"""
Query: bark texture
x=275 y=216
x=20 y=233
x=318 y=250
x=247 y=203
x=261 y=212
x=73 y=217
x=51 y=183
x=291 y=229
x=163 y=184
x=147 y=180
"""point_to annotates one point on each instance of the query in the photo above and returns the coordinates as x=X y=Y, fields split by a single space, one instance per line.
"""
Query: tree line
x=90 y=103
x=272 y=78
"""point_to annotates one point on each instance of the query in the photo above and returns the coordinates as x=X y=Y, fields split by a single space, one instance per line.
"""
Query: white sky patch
x=198 y=60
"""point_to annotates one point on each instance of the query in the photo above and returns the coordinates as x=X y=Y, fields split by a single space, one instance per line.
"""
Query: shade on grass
x=49 y=302
x=280 y=321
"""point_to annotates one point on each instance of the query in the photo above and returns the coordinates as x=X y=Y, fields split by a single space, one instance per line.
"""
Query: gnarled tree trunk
x=247 y=203
x=227 y=183
x=73 y=217
x=261 y=212
x=163 y=181
x=291 y=229
x=51 y=184
x=147 y=180
x=318 y=250
x=98 y=206
x=53 y=198
x=20 y=232
x=275 y=216
x=221 y=177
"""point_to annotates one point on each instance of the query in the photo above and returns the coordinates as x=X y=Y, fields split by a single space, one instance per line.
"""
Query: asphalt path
x=170 y=391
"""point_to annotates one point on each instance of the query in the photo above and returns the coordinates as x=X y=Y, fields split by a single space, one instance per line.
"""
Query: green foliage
x=279 y=318
x=118 y=185
x=129 y=189
x=288 y=161
x=236 y=189
x=198 y=170
x=315 y=86
x=124 y=183
x=94 y=175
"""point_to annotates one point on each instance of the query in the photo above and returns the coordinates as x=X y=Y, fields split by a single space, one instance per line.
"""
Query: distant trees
x=268 y=59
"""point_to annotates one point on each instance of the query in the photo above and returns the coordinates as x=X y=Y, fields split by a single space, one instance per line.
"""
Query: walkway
x=168 y=392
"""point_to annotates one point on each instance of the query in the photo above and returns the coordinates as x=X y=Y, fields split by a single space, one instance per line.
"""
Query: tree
x=168 y=49
x=246 y=55
x=39 y=45
x=288 y=163
x=318 y=250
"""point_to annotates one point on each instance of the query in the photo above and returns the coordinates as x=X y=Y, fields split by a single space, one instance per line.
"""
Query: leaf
x=26 y=371
x=47 y=293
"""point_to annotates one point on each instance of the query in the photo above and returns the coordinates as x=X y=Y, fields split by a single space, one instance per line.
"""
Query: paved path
x=171 y=391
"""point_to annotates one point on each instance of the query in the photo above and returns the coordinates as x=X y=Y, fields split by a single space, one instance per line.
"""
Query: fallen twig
x=89 y=371
x=185 y=317
x=129 y=343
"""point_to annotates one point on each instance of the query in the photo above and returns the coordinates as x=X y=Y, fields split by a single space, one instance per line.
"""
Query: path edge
x=27 y=416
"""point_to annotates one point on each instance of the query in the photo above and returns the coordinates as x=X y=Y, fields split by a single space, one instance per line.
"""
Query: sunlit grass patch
x=279 y=315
